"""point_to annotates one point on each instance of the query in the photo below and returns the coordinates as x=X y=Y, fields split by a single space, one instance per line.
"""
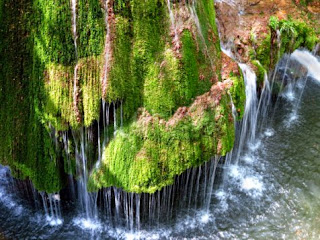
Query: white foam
x=248 y=159
x=87 y=224
x=55 y=222
x=234 y=171
x=7 y=201
x=151 y=235
x=252 y=183
x=291 y=119
x=221 y=194
x=289 y=95
x=205 y=218
x=255 y=146
x=269 y=132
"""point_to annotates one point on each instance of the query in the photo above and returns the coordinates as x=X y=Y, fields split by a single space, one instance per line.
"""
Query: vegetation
x=42 y=71
x=147 y=154
x=285 y=36
x=238 y=93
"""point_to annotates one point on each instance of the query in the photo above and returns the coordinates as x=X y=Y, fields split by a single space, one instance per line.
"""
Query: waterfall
x=88 y=201
x=75 y=72
x=66 y=148
x=229 y=2
x=107 y=54
x=105 y=120
x=121 y=113
x=264 y=102
x=196 y=21
x=290 y=77
x=250 y=114
x=195 y=17
x=173 y=25
x=74 y=24
x=247 y=128
x=114 y=119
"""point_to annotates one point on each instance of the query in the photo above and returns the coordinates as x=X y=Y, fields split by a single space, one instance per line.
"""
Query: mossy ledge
x=161 y=74
x=147 y=154
x=284 y=36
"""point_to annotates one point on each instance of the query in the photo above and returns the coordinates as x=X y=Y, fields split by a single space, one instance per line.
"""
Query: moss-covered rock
x=147 y=154
x=130 y=54
x=284 y=36
x=260 y=72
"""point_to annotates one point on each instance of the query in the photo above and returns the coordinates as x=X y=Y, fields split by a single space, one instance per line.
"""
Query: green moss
x=91 y=28
x=294 y=34
x=36 y=88
x=53 y=41
x=90 y=71
x=162 y=85
x=147 y=154
x=59 y=86
x=306 y=2
x=120 y=82
x=207 y=17
x=263 y=51
x=59 y=99
x=238 y=93
x=190 y=66
x=1 y=8
x=196 y=76
x=260 y=72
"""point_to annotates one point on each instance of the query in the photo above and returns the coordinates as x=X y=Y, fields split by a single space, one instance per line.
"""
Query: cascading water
x=108 y=16
x=173 y=25
x=88 y=201
x=52 y=209
x=75 y=72
x=308 y=61
x=194 y=15
x=246 y=131
x=74 y=24
x=249 y=123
